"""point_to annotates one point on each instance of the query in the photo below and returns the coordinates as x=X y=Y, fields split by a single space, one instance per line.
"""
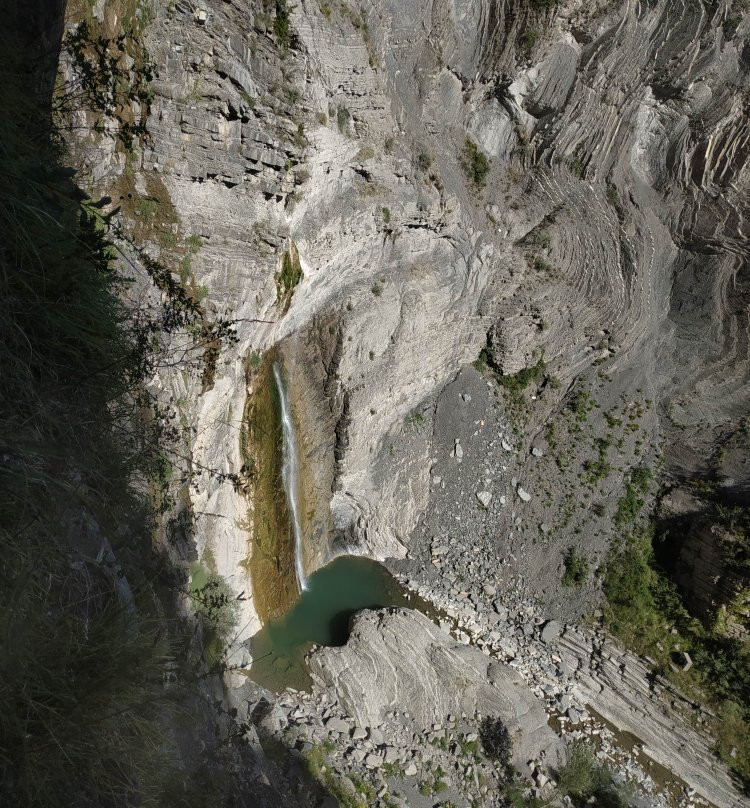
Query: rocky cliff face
x=562 y=189
x=609 y=233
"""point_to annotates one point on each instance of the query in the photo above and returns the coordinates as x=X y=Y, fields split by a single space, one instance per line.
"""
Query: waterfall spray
x=290 y=474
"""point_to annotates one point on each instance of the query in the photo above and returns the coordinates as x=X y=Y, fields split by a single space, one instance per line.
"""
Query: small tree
x=496 y=740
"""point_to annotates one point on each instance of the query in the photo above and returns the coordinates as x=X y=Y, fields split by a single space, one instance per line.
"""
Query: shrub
x=496 y=740
x=586 y=781
x=475 y=163
x=194 y=243
x=527 y=40
x=281 y=26
x=342 y=119
x=521 y=380
x=576 y=166
x=576 y=568
x=288 y=276
x=628 y=506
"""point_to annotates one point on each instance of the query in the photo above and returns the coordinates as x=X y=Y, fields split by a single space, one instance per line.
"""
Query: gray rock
x=373 y=761
x=485 y=497
x=551 y=631
x=489 y=590
x=391 y=754
x=537 y=452
x=501 y=609
x=338 y=725
x=573 y=716
x=523 y=494
x=401 y=657
x=376 y=736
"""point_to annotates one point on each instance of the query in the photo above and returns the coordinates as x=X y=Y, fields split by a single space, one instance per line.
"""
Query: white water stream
x=290 y=474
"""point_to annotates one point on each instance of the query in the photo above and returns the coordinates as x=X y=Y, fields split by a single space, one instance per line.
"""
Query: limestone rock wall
x=611 y=225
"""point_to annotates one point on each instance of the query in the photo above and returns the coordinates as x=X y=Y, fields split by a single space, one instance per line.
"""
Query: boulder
x=551 y=631
x=401 y=657
x=338 y=725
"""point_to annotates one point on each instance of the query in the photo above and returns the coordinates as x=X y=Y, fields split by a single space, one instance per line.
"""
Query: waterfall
x=290 y=474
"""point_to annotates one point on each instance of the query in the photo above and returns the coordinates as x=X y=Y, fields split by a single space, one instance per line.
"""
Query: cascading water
x=290 y=474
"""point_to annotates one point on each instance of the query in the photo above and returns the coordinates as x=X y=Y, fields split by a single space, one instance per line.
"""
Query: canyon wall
x=608 y=236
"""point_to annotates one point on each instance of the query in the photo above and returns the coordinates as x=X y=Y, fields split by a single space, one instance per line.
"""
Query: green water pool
x=321 y=616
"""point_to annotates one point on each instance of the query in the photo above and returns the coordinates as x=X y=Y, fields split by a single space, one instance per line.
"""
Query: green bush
x=586 y=781
x=82 y=698
x=214 y=602
x=521 y=380
x=630 y=504
x=576 y=568
x=281 y=25
x=496 y=740
x=288 y=276
x=475 y=163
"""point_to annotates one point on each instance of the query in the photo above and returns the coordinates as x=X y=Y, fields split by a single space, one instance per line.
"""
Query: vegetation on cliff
x=647 y=612
x=87 y=711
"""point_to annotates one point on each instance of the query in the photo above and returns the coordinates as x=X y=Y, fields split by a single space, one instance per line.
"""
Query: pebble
x=485 y=497
x=523 y=494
